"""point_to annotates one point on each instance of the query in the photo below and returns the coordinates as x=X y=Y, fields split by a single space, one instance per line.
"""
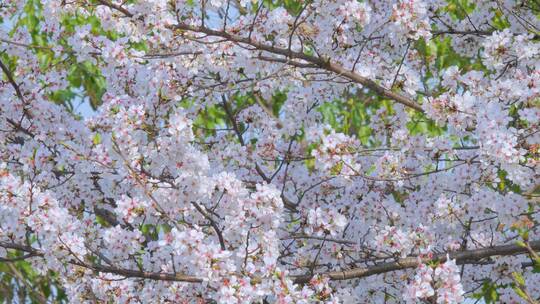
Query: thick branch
x=128 y=273
x=325 y=64
x=461 y=257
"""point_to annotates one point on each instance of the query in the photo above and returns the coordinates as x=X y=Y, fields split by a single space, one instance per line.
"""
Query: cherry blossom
x=326 y=151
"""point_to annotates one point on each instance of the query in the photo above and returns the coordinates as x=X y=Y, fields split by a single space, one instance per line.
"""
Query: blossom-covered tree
x=270 y=151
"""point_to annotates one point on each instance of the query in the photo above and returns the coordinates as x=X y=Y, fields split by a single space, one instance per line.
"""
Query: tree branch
x=325 y=64
x=461 y=257
x=116 y=7
x=128 y=273
x=12 y=81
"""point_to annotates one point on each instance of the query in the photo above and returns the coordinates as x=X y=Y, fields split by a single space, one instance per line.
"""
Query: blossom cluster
x=443 y=283
x=271 y=151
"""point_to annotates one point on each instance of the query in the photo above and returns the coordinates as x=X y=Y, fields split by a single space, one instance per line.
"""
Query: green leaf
x=518 y=278
x=521 y=244
x=520 y=293
x=96 y=139
x=489 y=292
